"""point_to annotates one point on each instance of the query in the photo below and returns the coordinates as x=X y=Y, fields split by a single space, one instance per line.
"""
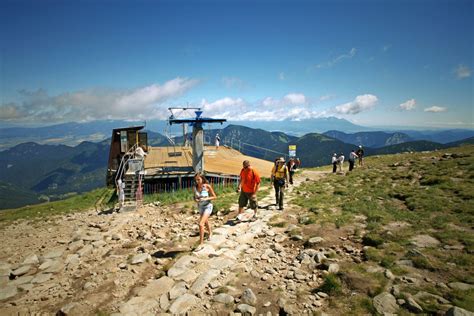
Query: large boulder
x=385 y=303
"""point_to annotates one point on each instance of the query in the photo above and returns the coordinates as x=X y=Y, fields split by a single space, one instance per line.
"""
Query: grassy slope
x=432 y=193
x=98 y=198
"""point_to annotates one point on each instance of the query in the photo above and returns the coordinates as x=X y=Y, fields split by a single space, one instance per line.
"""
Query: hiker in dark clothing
x=280 y=178
x=334 y=163
x=360 y=154
x=352 y=157
x=291 y=165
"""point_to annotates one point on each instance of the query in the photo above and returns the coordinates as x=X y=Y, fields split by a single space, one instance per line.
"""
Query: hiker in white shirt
x=334 y=163
x=340 y=161
x=139 y=152
x=217 y=141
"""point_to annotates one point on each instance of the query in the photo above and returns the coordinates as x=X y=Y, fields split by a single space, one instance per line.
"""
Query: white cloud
x=289 y=99
x=95 y=104
x=408 y=105
x=361 y=103
x=293 y=106
x=436 y=109
x=294 y=98
x=281 y=76
x=270 y=102
x=337 y=59
x=462 y=72
x=155 y=93
x=223 y=105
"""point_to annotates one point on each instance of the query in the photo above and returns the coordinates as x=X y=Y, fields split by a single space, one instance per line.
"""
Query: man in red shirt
x=249 y=184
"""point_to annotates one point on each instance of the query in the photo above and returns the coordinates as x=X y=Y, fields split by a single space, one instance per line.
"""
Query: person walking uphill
x=249 y=183
x=291 y=165
x=203 y=195
x=280 y=181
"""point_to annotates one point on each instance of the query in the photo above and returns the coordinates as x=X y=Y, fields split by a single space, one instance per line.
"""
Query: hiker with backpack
x=292 y=166
x=352 y=157
x=203 y=195
x=249 y=183
x=279 y=178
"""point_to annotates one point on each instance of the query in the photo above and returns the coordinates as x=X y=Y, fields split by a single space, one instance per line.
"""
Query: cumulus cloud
x=288 y=100
x=95 y=104
x=408 y=105
x=338 y=59
x=293 y=106
x=361 y=103
x=270 y=102
x=462 y=72
x=223 y=105
x=294 y=98
x=436 y=109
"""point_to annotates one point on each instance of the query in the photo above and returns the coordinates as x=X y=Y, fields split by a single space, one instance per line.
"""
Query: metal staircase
x=131 y=172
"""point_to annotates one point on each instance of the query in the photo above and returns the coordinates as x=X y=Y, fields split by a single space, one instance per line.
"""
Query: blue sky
x=375 y=63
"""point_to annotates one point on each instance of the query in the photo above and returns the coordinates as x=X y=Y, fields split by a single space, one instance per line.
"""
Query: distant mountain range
x=301 y=127
x=72 y=134
x=370 y=139
x=32 y=172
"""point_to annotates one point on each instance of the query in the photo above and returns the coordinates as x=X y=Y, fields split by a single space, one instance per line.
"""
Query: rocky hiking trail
x=143 y=263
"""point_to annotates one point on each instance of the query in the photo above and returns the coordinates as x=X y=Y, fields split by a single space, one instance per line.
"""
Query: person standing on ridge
x=334 y=163
x=249 y=183
x=360 y=154
x=279 y=178
x=352 y=157
x=340 y=161
x=203 y=195
x=217 y=141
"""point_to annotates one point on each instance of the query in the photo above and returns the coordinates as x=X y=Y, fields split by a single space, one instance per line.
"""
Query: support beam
x=198 y=148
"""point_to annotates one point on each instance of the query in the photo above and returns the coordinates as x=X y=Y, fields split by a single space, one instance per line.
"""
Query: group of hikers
x=282 y=174
x=338 y=161
x=249 y=183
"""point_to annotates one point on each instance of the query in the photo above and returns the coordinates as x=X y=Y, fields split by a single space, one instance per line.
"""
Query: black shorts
x=245 y=198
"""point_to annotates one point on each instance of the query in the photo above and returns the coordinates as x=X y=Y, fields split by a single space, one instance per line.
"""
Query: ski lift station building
x=173 y=167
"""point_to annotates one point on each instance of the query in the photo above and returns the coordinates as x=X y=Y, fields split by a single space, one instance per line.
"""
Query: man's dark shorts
x=245 y=198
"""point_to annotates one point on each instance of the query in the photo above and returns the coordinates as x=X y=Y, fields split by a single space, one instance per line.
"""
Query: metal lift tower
x=198 y=134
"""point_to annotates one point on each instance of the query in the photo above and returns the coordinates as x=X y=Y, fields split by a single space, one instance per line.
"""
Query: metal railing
x=138 y=174
x=124 y=161
x=246 y=147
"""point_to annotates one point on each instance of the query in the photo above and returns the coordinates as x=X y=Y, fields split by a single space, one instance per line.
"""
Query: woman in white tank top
x=203 y=195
